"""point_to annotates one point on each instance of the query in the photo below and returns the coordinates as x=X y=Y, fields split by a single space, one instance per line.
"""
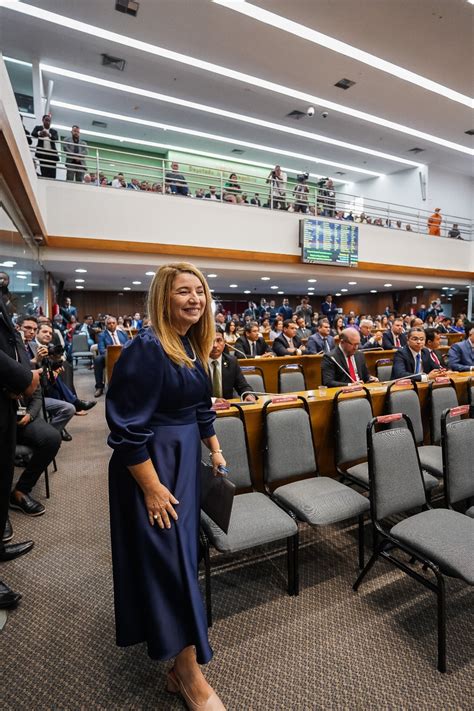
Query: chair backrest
x=256 y=382
x=352 y=415
x=289 y=447
x=230 y=432
x=291 y=378
x=383 y=369
x=406 y=401
x=396 y=483
x=79 y=343
x=470 y=391
x=444 y=340
x=441 y=398
x=458 y=454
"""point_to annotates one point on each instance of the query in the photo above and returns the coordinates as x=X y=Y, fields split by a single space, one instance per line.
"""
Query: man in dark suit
x=46 y=151
x=225 y=374
x=288 y=343
x=345 y=365
x=395 y=338
x=329 y=309
x=285 y=310
x=16 y=379
x=251 y=343
x=68 y=310
x=432 y=343
x=321 y=341
x=461 y=355
x=414 y=359
x=109 y=337
x=369 y=341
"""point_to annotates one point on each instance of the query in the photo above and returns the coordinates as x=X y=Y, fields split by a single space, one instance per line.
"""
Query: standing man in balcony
x=75 y=150
x=329 y=309
x=175 y=181
x=46 y=151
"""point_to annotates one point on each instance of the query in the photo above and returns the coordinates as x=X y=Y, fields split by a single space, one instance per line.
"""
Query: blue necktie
x=418 y=363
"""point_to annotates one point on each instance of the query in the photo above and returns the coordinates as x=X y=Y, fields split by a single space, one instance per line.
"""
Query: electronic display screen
x=329 y=242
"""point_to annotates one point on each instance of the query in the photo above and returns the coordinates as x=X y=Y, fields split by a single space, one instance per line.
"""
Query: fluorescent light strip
x=211 y=136
x=219 y=112
x=67 y=22
x=306 y=33
x=17 y=61
x=191 y=151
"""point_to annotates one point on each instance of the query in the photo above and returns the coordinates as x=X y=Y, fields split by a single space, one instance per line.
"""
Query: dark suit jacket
x=388 y=341
x=366 y=345
x=14 y=376
x=243 y=344
x=334 y=377
x=232 y=377
x=404 y=363
x=460 y=357
x=41 y=152
x=280 y=345
x=105 y=339
x=329 y=310
x=315 y=344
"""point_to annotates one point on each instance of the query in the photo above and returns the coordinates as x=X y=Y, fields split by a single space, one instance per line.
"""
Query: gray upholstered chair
x=291 y=472
x=383 y=369
x=291 y=378
x=80 y=348
x=457 y=441
x=256 y=519
x=440 y=539
x=431 y=456
x=441 y=397
x=351 y=417
x=254 y=376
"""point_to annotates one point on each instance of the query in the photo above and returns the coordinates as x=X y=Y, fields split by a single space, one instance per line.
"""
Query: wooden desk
x=321 y=413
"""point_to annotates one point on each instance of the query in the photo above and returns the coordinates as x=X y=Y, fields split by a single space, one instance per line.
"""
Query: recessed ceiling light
x=21 y=276
x=373 y=291
x=343 y=290
x=352 y=283
x=247 y=291
x=149 y=273
x=265 y=278
x=124 y=40
x=312 y=281
x=419 y=286
x=445 y=288
x=31 y=283
x=233 y=286
x=212 y=290
x=79 y=281
x=274 y=287
x=81 y=271
x=136 y=282
x=280 y=292
x=211 y=276
x=452 y=288
x=127 y=288
x=7 y=264
x=338 y=293
x=18 y=272
x=387 y=285
x=79 y=287
x=310 y=288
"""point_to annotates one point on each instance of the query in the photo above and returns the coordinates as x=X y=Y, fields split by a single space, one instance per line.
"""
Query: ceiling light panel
x=211 y=136
x=347 y=50
x=99 y=32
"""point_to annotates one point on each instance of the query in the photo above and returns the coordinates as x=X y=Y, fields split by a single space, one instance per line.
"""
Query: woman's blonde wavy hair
x=201 y=334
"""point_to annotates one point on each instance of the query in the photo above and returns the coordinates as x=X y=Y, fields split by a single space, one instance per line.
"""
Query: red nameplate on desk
x=284 y=398
x=385 y=419
x=401 y=383
x=460 y=410
x=352 y=389
x=442 y=380
x=221 y=406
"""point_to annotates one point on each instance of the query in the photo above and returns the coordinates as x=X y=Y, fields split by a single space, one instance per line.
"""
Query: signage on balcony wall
x=329 y=242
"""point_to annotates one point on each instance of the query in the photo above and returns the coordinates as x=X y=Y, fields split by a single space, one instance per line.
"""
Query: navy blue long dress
x=159 y=410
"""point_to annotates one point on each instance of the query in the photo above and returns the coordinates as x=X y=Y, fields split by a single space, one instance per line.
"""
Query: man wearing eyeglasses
x=414 y=360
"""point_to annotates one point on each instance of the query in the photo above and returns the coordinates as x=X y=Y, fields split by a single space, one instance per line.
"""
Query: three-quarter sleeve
x=132 y=398
x=205 y=415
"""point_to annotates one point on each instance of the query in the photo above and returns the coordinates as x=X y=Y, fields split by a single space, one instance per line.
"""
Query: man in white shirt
x=414 y=360
x=109 y=337
x=225 y=374
x=345 y=365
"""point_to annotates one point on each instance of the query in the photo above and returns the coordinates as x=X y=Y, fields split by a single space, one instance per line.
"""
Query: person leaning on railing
x=75 y=150
x=175 y=181
x=46 y=151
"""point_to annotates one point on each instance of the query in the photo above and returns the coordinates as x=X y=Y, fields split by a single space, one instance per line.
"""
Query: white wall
x=106 y=213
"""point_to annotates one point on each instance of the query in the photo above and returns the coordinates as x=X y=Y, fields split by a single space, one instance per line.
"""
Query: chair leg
x=55 y=466
x=441 y=594
x=207 y=575
x=364 y=572
x=361 y=542
x=296 y=568
x=290 y=565
x=46 y=481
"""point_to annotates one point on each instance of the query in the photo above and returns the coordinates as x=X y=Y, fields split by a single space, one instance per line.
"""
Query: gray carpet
x=329 y=648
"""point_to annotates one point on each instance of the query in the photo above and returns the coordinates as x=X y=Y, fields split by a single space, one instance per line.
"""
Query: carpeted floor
x=329 y=648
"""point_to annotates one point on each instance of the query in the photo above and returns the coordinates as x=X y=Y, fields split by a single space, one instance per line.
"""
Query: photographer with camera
x=277 y=179
x=301 y=194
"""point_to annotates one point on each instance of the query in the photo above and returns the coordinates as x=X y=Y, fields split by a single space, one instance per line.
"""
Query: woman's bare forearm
x=145 y=475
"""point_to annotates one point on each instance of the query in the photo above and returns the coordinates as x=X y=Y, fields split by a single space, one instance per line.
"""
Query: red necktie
x=352 y=372
x=434 y=357
x=397 y=342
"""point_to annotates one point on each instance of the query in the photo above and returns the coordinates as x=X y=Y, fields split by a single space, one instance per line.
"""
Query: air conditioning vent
x=99 y=124
x=296 y=115
x=344 y=84
x=470 y=132
x=114 y=62
x=416 y=150
x=129 y=7
x=237 y=151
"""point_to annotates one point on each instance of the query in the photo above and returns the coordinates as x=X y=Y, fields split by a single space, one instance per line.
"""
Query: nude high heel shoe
x=175 y=686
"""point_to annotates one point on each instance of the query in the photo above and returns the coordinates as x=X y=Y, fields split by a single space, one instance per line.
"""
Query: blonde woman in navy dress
x=158 y=411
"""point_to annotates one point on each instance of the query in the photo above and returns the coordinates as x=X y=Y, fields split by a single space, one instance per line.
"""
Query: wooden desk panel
x=321 y=413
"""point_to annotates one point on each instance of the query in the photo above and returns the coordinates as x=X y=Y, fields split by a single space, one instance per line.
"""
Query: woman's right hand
x=159 y=505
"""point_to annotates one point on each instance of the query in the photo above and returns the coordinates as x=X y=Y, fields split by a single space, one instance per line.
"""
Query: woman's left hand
x=217 y=460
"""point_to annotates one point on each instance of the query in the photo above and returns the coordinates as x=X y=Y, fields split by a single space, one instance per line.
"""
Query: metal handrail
x=155 y=177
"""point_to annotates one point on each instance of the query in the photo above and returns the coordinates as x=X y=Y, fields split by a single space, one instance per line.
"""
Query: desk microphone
x=237 y=350
x=343 y=369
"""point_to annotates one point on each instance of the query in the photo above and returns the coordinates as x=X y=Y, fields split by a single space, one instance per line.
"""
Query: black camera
x=302 y=177
x=55 y=349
